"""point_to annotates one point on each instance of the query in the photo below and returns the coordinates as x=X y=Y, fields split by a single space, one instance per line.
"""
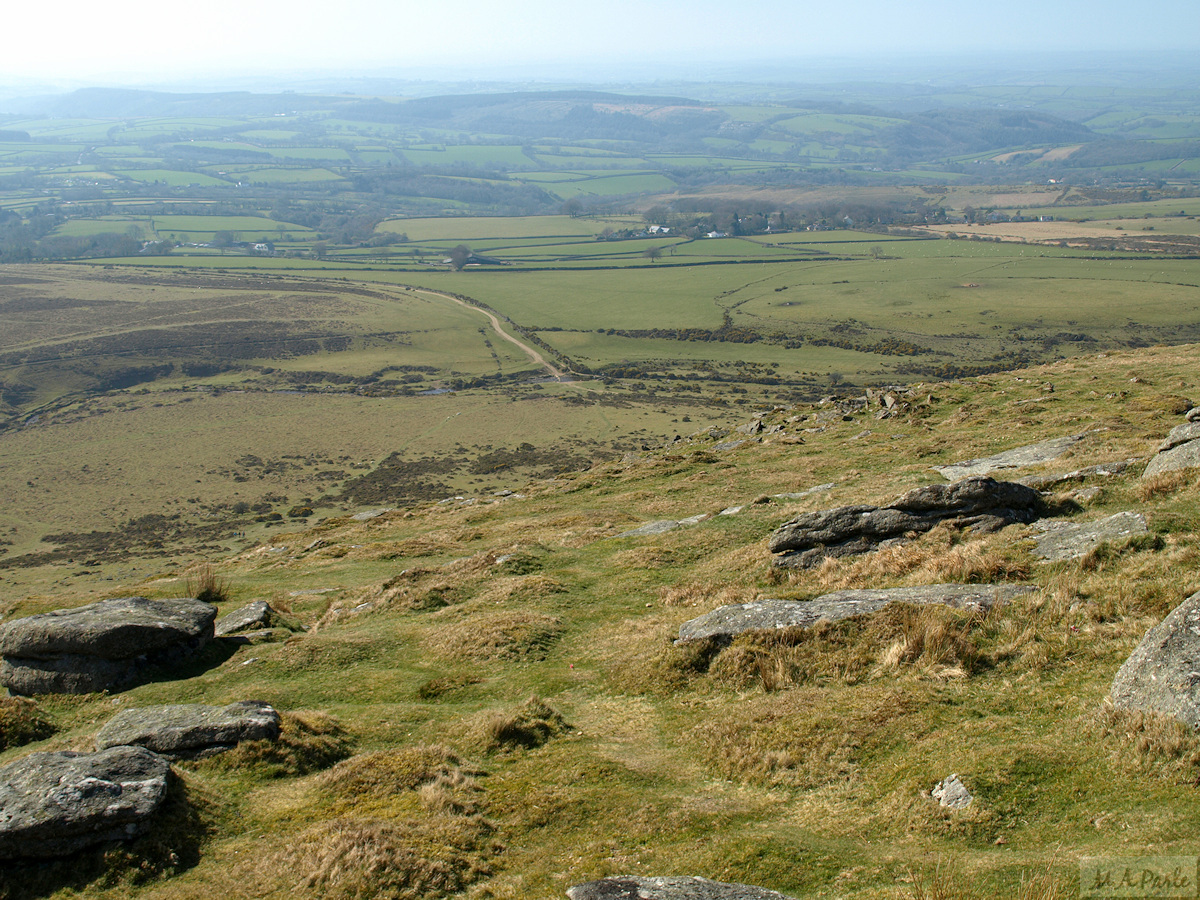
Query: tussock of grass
x=437 y=848
x=22 y=722
x=698 y=594
x=308 y=742
x=1150 y=741
x=506 y=635
x=801 y=740
x=1162 y=485
x=363 y=859
x=530 y=725
x=390 y=771
x=934 y=641
x=208 y=586
x=937 y=557
x=521 y=587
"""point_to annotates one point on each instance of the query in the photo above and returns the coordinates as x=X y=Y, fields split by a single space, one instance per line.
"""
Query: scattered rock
x=1046 y=482
x=952 y=793
x=1193 y=414
x=728 y=445
x=751 y=428
x=978 y=503
x=726 y=622
x=252 y=617
x=55 y=804
x=190 y=730
x=638 y=887
x=371 y=514
x=1016 y=458
x=1061 y=541
x=1180 y=450
x=800 y=495
x=731 y=511
x=101 y=646
x=1160 y=674
x=662 y=526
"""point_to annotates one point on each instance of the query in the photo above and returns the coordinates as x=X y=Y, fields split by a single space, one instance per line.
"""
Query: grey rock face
x=55 y=804
x=726 y=622
x=637 y=887
x=1181 y=456
x=952 y=793
x=979 y=503
x=253 y=617
x=1061 y=541
x=1180 y=450
x=100 y=646
x=191 y=729
x=1104 y=470
x=1016 y=458
x=1160 y=674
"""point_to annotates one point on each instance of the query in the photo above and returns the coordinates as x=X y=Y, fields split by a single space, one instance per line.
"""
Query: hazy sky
x=128 y=41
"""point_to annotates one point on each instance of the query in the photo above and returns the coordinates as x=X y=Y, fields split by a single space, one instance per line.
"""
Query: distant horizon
x=947 y=69
x=124 y=44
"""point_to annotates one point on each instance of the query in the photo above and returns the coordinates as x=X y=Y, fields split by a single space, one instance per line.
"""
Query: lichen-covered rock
x=254 y=616
x=1180 y=449
x=979 y=503
x=1016 y=458
x=101 y=646
x=1160 y=675
x=951 y=793
x=55 y=804
x=726 y=622
x=191 y=729
x=639 y=887
x=1061 y=541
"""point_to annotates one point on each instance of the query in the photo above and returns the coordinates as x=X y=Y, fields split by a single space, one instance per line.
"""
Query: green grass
x=638 y=756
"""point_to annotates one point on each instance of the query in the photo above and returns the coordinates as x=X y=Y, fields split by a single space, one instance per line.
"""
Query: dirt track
x=532 y=352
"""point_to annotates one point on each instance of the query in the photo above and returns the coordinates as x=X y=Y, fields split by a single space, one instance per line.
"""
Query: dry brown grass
x=521 y=587
x=931 y=641
x=1162 y=485
x=408 y=823
x=503 y=635
x=530 y=725
x=390 y=771
x=804 y=739
x=937 y=557
x=208 y=586
x=699 y=594
x=1150 y=741
x=364 y=859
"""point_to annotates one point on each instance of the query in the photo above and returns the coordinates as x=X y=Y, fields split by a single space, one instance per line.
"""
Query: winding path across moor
x=531 y=352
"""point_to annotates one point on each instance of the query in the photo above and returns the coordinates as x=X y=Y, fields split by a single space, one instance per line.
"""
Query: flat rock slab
x=1104 y=470
x=979 y=503
x=110 y=629
x=192 y=729
x=1062 y=541
x=254 y=617
x=1017 y=458
x=726 y=622
x=637 y=887
x=663 y=526
x=1160 y=674
x=55 y=804
x=101 y=646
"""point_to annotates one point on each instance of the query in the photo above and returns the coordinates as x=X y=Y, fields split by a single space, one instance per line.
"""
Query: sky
x=127 y=42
